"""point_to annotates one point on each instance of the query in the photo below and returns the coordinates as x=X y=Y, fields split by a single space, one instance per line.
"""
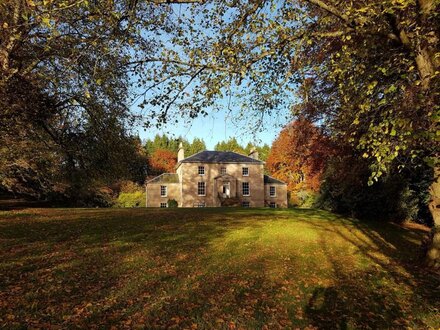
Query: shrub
x=134 y=199
x=130 y=195
x=172 y=203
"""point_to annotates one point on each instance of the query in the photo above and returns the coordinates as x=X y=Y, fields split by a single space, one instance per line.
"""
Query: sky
x=220 y=126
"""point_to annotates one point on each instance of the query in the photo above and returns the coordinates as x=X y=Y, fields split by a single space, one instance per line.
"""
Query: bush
x=130 y=195
x=172 y=203
x=134 y=199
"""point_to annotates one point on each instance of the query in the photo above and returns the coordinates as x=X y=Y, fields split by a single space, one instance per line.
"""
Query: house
x=214 y=179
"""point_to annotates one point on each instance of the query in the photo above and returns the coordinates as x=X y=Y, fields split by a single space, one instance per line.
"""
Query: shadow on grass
x=156 y=268
x=363 y=298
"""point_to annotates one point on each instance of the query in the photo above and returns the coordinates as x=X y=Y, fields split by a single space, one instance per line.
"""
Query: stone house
x=214 y=179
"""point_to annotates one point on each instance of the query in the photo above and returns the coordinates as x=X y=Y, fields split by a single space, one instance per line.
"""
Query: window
x=223 y=170
x=163 y=205
x=245 y=171
x=245 y=189
x=272 y=191
x=272 y=205
x=245 y=204
x=201 y=189
x=199 y=205
x=201 y=170
x=163 y=191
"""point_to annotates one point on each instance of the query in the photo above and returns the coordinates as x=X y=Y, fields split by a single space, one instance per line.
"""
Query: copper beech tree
x=163 y=161
x=298 y=156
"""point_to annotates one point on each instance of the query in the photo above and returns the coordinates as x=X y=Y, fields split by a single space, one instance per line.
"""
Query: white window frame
x=199 y=186
x=166 y=191
x=223 y=170
x=243 y=170
x=246 y=204
x=248 y=188
x=274 y=194
x=163 y=205
x=201 y=170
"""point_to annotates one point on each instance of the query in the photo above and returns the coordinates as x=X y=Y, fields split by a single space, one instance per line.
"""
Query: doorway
x=226 y=190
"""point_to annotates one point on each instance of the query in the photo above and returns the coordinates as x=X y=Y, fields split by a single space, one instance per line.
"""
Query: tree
x=64 y=91
x=163 y=161
x=194 y=147
x=263 y=151
x=299 y=155
x=368 y=69
x=229 y=145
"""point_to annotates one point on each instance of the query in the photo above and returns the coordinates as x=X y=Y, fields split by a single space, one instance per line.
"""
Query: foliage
x=207 y=268
x=230 y=145
x=233 y=145
x=162 y=161
x=397 y=196
x=131 y=199
x=172 y=203
x=194 y=147
x=164 y=142
x=64 y=92
x=298 y=157
x=130 y=194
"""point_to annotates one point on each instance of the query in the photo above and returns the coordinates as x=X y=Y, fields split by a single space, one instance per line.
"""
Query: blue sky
x=219 y=126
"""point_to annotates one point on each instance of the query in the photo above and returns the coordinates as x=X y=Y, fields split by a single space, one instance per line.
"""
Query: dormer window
x=201 y=170
x=245 y=171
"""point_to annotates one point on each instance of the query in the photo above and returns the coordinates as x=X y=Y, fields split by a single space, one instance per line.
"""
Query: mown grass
x=211 y=269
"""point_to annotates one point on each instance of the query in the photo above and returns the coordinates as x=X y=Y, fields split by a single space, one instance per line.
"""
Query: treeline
x=233 y=145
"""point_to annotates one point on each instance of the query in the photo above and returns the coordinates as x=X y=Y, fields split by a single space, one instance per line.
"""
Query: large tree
x=367 y=69
x=66 y=88
x=299 y=155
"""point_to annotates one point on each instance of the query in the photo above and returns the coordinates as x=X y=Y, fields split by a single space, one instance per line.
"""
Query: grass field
x=211 y=269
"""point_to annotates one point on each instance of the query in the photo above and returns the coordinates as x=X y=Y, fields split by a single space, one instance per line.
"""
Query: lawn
x=211 y=269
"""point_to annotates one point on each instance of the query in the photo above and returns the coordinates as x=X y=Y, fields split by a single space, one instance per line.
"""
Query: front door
x=226 y=190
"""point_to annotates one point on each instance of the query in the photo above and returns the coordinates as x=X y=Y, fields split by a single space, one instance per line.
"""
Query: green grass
x=211 y=269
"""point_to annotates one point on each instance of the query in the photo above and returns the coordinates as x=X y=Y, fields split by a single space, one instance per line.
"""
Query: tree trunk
x=433 y=248
x=426 y=67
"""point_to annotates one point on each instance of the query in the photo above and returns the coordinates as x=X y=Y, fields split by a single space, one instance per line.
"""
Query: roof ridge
x=198 y=157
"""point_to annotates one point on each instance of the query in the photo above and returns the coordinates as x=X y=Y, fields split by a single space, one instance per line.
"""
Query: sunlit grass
x=210 y=268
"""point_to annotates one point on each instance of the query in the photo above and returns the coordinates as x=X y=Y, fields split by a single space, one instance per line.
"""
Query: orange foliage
x=163 y=161
x=298 y=156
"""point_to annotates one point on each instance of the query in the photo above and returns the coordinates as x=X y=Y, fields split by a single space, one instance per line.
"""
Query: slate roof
x=268 y=180
x=165 y=178
x=219 y=157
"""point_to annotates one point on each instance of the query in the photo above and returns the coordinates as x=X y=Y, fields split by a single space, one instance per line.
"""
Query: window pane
x=245 y=171
x=201 y=170
x=272 y=191
x=245 y=188
x=163 y=191
x=201 y=188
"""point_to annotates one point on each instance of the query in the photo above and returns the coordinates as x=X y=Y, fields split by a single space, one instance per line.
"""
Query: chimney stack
x=254 y=154
x=180 y=153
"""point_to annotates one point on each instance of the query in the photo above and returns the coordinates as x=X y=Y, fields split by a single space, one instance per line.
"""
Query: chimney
x=254 y=154
x=180 y=153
